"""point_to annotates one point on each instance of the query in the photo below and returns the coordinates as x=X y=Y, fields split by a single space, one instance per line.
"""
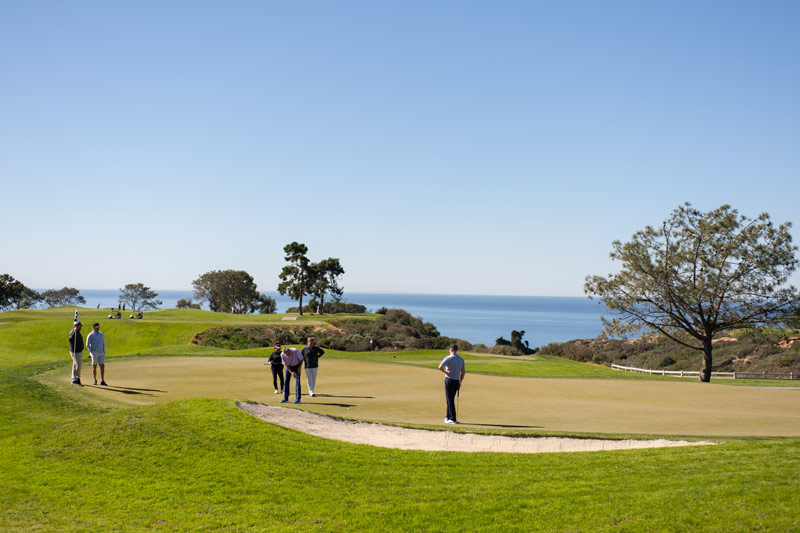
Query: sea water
x=478 y=319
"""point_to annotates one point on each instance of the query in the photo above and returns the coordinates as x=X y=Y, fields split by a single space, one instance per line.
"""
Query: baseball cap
x=454 y=346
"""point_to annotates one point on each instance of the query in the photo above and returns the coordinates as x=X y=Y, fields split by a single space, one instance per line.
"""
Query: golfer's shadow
x=507 y=426
x=131 y=390
x=350 y=397
x=348 y=405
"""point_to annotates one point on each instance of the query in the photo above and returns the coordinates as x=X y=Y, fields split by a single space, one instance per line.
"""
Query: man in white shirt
x=96 y=344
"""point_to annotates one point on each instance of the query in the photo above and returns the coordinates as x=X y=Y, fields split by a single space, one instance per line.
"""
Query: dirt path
x=420 y=439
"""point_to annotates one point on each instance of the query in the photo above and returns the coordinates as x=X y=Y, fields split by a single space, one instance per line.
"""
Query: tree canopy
x=139 y=297
x=264 y=304
x=697 y=275
x=230 y=291
x=65 y=296
x=295 y=277
x=183 y=303
x=15 y=295
x=326 y=275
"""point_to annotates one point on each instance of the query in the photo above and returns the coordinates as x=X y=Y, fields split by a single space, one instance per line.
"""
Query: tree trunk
x=301 y=304
x=705 y=372
x=322 y=304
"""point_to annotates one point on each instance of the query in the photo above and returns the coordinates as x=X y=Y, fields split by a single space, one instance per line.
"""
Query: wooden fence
x=695 y=374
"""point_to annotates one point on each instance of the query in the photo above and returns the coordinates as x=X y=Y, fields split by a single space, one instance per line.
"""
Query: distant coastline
x=476 y=318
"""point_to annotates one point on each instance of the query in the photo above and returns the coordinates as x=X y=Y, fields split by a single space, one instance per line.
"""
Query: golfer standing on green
x=454 y=370
x=76 y=351
x=96 y=343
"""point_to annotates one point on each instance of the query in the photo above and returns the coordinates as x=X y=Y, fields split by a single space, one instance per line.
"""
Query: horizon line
x=407 y=293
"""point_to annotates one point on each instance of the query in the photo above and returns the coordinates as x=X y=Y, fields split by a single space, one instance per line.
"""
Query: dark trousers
x=288 y=383
x=451 y=387
x=277 y=373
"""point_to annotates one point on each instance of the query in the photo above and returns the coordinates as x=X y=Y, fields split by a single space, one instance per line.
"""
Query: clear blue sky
x=439 y=147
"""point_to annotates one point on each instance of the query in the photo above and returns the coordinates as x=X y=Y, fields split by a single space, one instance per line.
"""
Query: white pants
x=311 y=376
x=76 y=365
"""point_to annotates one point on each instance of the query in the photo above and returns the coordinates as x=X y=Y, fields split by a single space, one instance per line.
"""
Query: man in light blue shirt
x=454 y=370
x=96 y=344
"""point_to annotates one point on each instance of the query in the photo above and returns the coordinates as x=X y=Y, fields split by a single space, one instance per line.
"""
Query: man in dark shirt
x=76 y=352
x=276 y=364
x=311 y=354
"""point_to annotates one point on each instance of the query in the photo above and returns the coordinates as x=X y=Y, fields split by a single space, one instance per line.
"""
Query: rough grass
x=204 y=465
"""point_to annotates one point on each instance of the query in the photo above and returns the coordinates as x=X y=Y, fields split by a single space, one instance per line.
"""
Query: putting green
x=413 y=395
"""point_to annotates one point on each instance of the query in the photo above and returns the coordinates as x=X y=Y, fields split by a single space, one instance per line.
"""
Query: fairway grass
x=205 y=465
x=165 y=448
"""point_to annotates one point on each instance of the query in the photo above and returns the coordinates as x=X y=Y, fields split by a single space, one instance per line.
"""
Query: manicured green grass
x=204 y=465
x=71 y=462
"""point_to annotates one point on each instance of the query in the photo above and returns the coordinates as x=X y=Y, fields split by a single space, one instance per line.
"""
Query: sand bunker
x=420 y=439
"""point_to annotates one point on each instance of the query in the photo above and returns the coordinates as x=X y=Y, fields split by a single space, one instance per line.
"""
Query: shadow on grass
x=331 y=404
x=351 y=397
x=507 y=426
x=127 y=390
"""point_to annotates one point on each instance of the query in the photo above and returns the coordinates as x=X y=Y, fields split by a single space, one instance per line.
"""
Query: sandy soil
x=419 y=439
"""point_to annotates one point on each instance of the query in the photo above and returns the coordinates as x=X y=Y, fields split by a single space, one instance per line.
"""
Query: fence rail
x=694 y=373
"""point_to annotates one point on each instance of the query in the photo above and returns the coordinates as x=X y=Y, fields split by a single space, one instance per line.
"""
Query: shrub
x=183 y=303
x=341 y=307
x=504 y=349
x=667 y=361
x=397 y=330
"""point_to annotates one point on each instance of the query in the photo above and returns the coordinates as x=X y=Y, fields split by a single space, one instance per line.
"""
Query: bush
x=397 y=330
x=504 y=349
x=341 y=307
x=183 y=303
x=244 y=337
x=667 y=361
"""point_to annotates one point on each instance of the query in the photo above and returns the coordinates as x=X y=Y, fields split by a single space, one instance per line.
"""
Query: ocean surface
x=478 y=319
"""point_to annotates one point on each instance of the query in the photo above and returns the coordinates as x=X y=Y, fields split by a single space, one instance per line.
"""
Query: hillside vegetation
x=745 y=350
x=393 y=330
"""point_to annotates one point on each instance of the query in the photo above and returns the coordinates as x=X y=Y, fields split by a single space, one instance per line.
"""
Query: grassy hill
x=745 y=350
x=73 y=462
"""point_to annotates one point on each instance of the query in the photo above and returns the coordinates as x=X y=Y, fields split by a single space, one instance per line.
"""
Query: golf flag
x=76 y=316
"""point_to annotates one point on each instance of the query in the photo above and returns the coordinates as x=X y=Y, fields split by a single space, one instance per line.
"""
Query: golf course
x=188 y=437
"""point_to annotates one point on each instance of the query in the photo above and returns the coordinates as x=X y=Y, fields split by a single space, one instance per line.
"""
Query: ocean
x=478 y=319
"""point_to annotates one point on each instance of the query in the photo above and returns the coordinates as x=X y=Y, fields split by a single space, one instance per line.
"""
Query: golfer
x=293 y=361
x=276 y=364
x=311 y=355
x=76 y=351
x=454 y=370
x=96 y=344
